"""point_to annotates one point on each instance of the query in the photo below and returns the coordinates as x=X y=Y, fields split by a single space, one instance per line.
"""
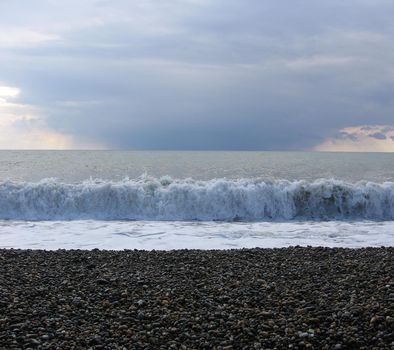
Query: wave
x=164 y=198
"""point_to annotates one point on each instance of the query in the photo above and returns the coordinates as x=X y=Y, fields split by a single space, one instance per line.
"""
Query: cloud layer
x=199 y=74
x=21 y=126
x=366 y=138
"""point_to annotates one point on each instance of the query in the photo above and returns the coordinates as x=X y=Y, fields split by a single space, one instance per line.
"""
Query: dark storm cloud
x=202 y=74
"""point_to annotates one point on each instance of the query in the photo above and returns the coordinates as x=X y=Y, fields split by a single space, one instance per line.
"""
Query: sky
x=197 y=75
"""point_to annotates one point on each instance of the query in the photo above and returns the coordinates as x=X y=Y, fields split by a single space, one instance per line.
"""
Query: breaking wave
x=220 y=199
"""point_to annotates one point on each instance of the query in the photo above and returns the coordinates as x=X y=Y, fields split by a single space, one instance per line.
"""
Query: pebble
x=290 y=298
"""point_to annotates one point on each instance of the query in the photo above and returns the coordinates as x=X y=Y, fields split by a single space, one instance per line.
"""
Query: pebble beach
x=288 y=298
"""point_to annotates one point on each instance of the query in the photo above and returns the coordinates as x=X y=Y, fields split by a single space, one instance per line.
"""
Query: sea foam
x=169 y=199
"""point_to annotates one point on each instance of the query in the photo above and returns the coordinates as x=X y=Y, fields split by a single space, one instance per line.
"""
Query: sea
x=163 y=200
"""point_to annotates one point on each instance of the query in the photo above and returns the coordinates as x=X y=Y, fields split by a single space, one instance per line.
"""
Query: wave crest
x=220 y=199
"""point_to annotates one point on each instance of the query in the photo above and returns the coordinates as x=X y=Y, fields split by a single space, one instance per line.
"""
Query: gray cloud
x=378 y=136
x=346 y=136
x=202 y=74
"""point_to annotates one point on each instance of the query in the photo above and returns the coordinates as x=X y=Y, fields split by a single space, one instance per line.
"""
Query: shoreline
x=294 y=298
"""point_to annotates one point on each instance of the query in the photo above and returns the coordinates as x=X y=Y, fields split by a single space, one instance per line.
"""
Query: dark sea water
x=74 y=166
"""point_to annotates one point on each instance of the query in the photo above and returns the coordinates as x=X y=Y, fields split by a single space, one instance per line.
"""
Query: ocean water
x=205 y=200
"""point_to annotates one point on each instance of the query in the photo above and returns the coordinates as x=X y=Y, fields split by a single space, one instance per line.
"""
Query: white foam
x=167 y=199
x=158 y=235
